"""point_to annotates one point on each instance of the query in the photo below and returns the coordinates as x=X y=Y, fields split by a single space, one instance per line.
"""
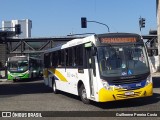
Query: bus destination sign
x=118 y=40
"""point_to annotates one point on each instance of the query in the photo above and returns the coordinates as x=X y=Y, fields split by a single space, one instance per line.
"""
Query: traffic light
x=142 y=22
x=17 y=29
x=83 y=22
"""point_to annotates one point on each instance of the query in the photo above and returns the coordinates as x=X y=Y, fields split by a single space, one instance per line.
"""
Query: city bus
x=23 y=67
x=100 y=67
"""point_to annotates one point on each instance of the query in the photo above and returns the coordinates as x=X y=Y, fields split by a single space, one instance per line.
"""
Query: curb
x=3 y=80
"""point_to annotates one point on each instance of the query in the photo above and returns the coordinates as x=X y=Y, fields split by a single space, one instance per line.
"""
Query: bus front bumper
x=121 y=94
x=17 y=77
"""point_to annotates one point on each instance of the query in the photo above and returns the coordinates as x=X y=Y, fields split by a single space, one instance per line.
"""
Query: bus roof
x=15 y=58
x=71 y=43
x=118 y=35
x=91 y=38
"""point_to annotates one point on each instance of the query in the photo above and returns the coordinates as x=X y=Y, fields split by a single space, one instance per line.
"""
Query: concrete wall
x=158 y=26
x=154 y=63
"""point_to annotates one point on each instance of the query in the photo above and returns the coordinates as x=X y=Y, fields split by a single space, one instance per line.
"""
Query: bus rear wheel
x=54 y=88
x=83 y=95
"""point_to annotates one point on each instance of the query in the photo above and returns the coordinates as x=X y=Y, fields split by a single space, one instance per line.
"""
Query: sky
x=63 y=17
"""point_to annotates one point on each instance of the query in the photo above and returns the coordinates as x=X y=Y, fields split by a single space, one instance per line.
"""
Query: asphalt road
x=35 y=96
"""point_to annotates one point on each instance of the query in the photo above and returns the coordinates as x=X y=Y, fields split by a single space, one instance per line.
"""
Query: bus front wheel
x=83 y=95
x=14 y=80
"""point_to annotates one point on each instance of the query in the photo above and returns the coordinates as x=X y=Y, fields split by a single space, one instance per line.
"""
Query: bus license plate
x=17 y=78
x=129 y=93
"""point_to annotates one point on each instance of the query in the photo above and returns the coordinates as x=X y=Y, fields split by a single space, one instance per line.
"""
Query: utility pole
x=158 y=28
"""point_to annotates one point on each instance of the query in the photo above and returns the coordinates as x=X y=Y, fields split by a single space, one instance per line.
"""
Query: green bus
x=23 y=67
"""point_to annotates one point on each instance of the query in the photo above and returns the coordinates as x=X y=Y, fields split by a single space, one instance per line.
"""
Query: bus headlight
x=27 y=72
x=148 y=80
x=105 y=85
x=34 y=71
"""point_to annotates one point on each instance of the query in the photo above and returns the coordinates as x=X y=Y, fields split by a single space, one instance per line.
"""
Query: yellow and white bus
x=101 y=68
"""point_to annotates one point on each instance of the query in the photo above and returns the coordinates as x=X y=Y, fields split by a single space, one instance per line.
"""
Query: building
x=3 y=55
x=26 y=26
x=8 y=26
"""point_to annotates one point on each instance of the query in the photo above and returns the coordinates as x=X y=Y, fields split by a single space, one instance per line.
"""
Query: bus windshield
x=19 y=66
x=122 y=60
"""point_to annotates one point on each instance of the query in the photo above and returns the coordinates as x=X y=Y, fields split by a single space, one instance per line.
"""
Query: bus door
x=90 y=63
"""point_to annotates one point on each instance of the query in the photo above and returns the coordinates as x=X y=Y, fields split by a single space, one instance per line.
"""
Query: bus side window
x=74 y=51
x=74 y=56
x=79 y=55
x=66 y=55
x=53 y=60
x=51 y=63
x=59 y=58
x=46 y=60
x=70 y=54
x=63 y=58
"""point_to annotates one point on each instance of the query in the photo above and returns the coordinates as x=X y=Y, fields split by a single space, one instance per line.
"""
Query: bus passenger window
x=47 y=60
x=62 y=58
x=79 y=55
x=67 y=55
x=74 y=57
x=59 y=59
x=70 y=56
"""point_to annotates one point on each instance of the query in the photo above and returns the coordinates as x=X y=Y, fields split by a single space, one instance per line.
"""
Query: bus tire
x=54 y=88
x=32 y=75
x=14 y=80
x=83 y=95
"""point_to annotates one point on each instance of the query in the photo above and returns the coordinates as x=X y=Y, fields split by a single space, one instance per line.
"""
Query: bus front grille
x=126 y=81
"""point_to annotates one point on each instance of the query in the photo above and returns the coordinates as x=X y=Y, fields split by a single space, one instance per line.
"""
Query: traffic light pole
x=84 y=23
x=101 y=24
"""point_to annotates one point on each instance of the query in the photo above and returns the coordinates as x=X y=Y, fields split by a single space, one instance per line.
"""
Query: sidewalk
x=3 y=79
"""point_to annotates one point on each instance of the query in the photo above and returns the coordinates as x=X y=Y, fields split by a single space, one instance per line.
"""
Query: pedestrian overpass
x=34 y=46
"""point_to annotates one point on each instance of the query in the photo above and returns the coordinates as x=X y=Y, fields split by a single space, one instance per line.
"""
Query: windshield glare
x=122 y=60
x=19 y=66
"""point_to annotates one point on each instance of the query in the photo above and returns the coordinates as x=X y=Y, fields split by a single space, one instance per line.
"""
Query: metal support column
x=158 y=27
